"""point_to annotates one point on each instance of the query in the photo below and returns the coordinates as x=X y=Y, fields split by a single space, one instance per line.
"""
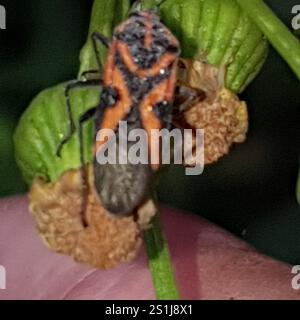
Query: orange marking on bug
x=161 y=64
x=150 y=121
x=116 y=113
x=148 y=33
x=110 y=65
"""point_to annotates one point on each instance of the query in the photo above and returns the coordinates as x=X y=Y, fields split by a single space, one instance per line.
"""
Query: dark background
x=251 y=192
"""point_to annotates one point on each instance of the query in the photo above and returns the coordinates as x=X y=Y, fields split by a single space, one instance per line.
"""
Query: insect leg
x=91 y=113
x=72 y=128
x=86 y=75
x=98 y=37
x=186 y=97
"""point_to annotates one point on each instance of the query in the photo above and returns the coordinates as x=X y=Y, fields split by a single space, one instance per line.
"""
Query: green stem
x=278 y=34
x=160 y=262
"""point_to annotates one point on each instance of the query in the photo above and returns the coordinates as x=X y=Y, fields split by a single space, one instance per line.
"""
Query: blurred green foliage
x=38 y=49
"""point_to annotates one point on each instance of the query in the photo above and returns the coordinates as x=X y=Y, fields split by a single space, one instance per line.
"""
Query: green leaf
x=42 y=127
x=278 y=34
x=218 y=31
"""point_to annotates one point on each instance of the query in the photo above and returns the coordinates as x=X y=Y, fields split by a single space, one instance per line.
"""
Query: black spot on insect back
x=139 y=87
x=133 y=32
x=109 y=96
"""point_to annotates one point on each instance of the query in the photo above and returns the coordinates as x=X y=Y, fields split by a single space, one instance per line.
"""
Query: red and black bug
x=138 y=84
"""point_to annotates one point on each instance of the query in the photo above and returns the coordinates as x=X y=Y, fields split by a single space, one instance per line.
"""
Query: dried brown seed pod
x=215 y=109
x=105 y=242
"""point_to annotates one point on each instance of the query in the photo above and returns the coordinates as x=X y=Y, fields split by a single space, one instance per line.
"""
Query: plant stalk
x=278 y=34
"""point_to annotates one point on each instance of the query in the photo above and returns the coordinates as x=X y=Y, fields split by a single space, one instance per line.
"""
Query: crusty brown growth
x=106 y=242
x=218 y=111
